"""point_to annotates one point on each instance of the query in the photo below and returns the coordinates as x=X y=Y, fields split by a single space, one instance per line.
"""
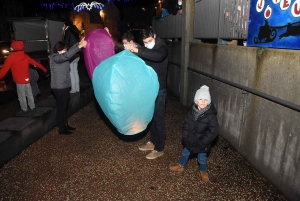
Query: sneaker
x=64 y=132
x=22 y=111
x=154 y=154
x=32 y=110
x=204 y=176
x=176 y=168
x=149 y=146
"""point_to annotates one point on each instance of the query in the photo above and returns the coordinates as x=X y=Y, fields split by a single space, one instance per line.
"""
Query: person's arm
x=156 y=55
x=5 y=68
x=37 y=64
x=60 y=58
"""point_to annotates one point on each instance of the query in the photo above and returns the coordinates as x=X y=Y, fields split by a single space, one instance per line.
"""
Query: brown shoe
x=149 y=146
x=176 y=168
x=204 y=176
x=154 y=154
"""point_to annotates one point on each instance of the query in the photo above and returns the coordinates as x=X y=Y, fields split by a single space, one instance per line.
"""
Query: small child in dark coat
x=200 y=128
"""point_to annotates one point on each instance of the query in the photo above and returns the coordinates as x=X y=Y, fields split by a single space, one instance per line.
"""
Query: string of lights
x=79 y=7
x=88 y=6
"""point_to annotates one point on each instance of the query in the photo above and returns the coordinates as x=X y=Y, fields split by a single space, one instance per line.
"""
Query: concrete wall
x=173 y=79
x=267 y=134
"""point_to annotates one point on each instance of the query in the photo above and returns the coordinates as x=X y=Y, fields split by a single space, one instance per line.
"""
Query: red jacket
x=19 y=62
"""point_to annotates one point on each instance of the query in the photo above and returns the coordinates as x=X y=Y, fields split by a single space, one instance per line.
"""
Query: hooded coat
x=199 y=133
x=18 y=61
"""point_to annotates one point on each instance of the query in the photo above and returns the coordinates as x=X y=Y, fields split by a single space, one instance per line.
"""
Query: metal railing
x=252 y=91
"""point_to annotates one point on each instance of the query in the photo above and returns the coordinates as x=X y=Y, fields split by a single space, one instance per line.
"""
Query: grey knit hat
x=203 y=93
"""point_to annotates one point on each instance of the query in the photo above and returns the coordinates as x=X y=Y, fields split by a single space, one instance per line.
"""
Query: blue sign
x=274 y=24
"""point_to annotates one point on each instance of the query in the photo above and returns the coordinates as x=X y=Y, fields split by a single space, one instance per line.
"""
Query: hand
x=106 y=29
x=131 y=48
x=82 y=43
x=127 y=46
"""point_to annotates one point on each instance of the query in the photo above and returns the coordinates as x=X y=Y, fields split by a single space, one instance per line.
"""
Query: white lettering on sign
x=268 y=12
x=284 y=5
x=296 y=8
x=260 y=5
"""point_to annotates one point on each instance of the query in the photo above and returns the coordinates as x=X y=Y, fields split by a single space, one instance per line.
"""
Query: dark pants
x=62 y=100
x=34 y=77
x=158 y=124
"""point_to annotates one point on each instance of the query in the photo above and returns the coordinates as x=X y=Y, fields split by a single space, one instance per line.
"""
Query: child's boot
x=204 y=176
x=176 y=168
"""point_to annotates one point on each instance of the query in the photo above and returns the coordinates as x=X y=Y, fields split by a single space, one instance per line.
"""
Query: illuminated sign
x=274 y=23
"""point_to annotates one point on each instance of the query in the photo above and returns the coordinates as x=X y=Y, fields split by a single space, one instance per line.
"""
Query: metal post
x=187 y=37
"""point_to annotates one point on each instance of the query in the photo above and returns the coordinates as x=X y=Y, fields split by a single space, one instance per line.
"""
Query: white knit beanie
x=203 y=93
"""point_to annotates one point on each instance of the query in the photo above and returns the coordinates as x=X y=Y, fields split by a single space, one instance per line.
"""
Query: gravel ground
x=98 y=163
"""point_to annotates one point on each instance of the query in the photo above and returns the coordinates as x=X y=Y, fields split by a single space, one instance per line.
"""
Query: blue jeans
x=34 y=77
x=158 y=124
x=201 y=159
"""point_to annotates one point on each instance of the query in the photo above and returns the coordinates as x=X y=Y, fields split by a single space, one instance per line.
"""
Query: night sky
x=32 y=6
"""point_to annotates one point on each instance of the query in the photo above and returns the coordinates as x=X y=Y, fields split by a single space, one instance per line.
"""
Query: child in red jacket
x=19 y=62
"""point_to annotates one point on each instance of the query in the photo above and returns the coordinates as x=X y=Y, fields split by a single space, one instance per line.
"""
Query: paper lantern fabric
x=100 y=46
x=126 y=90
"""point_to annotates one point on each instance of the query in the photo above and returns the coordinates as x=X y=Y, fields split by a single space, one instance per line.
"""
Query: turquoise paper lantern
x=126 y=90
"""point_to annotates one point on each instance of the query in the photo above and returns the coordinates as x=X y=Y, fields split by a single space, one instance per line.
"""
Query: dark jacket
x=60 y=68
x=157 y=58
x=71 y=38
x=198 y=135
x=172 y=6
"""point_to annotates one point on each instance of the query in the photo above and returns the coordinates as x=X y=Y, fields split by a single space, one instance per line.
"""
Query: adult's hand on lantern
x=131 y=47
x=82 y=43
x=106 y=29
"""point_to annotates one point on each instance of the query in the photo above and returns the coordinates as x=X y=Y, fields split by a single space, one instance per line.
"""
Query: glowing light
x=88 y=6
x=51 y=6
x=102 y=14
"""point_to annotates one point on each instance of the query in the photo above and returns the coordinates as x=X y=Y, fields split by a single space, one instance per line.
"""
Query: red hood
x=17 y=45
